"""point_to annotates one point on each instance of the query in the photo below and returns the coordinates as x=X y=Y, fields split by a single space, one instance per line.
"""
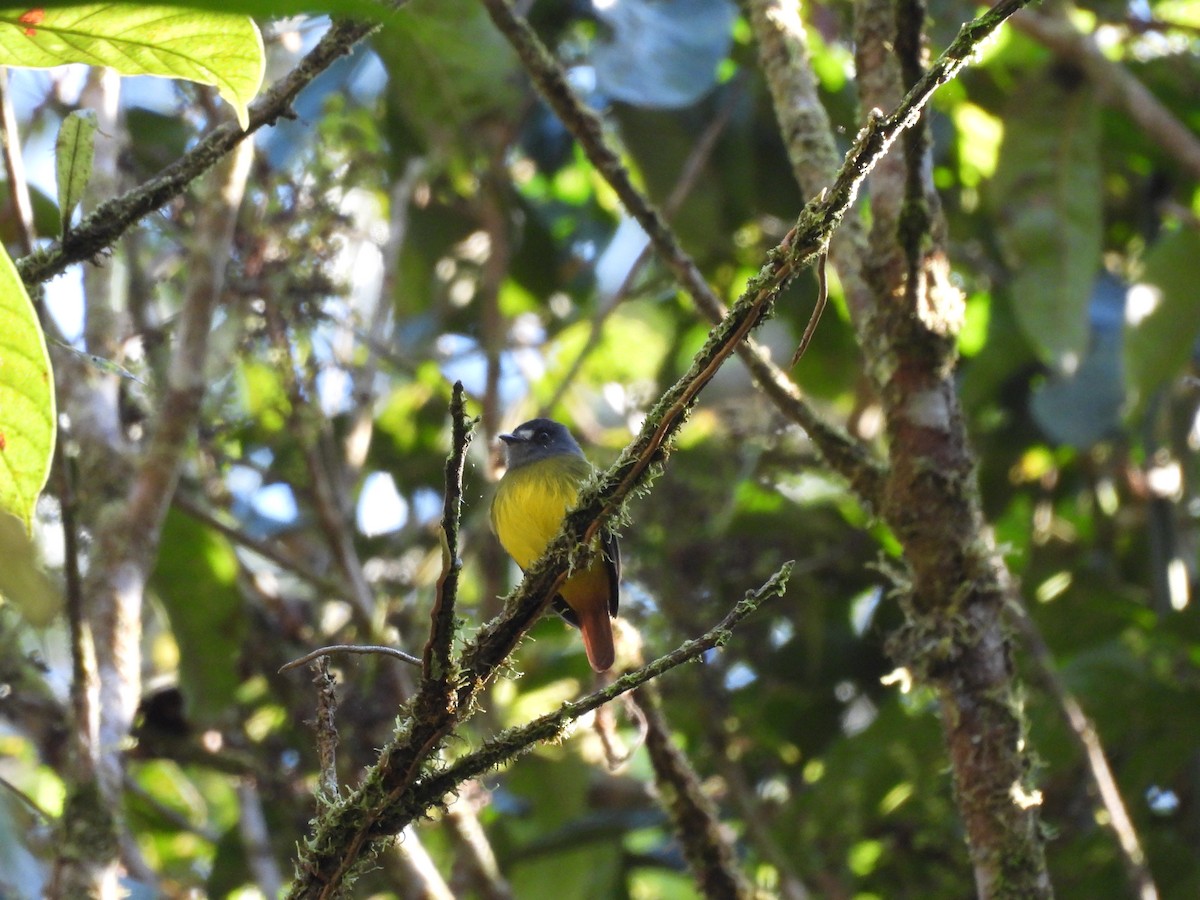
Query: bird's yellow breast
x=530 y=504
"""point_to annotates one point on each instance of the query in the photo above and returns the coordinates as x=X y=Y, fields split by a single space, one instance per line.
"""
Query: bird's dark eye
x=542 y=436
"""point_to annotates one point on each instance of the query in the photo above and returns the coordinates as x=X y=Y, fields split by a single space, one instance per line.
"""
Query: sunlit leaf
x=27 y=418
x=214 y=48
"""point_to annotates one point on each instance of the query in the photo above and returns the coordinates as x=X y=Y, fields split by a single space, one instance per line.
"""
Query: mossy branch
x=375 y=811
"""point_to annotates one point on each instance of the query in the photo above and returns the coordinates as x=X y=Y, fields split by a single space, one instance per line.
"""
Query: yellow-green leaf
x=215 y=48
x=27 y=418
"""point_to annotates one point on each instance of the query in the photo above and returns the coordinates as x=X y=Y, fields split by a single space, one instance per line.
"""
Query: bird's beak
x=510 y=438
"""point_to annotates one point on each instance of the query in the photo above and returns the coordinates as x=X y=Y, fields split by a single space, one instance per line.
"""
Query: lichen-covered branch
x=379 y=809
x=438 y=675
x=851 y=459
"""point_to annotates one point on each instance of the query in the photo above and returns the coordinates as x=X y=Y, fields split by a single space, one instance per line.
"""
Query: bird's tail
x=596 y=627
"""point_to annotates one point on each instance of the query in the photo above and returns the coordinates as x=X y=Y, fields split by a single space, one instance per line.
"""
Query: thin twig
x=474 y=850
x=1087 y=739
x=819 y=307
x=327 y=733
x=364 y=649
x=263 y=548
x=256 y=839
x=14 y=166
x=27 y=801
x=688 y=176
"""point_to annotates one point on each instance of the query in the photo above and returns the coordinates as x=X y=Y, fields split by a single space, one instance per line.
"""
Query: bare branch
x=1133 y=856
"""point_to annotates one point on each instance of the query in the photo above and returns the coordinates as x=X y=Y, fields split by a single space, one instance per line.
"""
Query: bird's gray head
x=538 y=439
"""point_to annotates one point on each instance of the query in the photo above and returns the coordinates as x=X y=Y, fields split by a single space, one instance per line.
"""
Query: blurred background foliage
x=424 y=219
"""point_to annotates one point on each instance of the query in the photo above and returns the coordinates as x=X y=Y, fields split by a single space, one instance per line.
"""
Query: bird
x=546 y=468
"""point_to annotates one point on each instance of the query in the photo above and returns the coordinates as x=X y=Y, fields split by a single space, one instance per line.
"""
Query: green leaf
x=1050 y=213
x=22 y=581
x=1164 y=316
x=450 y=68
x=215 y=48
x=73 y=154
x=196 y=577
x=27 y=418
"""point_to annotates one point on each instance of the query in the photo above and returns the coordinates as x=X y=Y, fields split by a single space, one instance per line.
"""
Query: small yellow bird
x=546 y=468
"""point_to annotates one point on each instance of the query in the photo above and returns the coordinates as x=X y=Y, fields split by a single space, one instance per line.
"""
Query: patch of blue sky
x=381 y=507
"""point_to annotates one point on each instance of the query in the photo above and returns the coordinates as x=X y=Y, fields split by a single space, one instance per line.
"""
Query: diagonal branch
x=851 y=459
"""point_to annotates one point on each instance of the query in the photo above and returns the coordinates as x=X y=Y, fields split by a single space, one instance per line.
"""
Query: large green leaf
x=1046 y=192
x=1164 y=316
x=215 y=48
x=196 y=577
x=27 y=419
